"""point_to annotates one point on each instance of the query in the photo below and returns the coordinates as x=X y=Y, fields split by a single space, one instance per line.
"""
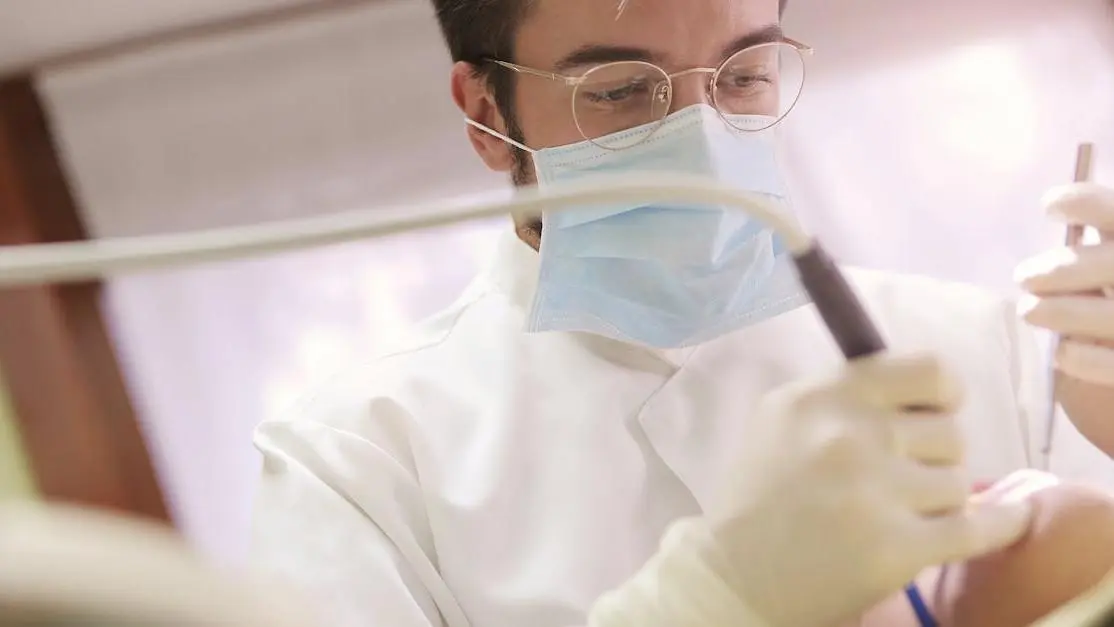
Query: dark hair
x=477 y=30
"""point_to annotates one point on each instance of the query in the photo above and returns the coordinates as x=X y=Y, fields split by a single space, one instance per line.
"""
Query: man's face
x=571 y=36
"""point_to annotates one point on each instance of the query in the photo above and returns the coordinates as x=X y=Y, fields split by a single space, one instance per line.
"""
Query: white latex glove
x=1071 y=288
x=840 y=497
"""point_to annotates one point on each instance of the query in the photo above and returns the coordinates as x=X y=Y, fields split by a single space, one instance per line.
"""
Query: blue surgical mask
x=664 y=275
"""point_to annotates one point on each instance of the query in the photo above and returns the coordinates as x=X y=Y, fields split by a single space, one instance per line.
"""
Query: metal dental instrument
x=839 y=308
x=1073 y=236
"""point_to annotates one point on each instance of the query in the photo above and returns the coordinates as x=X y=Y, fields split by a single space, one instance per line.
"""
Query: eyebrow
x=594 y=54
x=764 y=35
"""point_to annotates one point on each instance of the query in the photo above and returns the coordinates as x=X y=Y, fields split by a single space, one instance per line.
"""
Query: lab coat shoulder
x=375 y=400
x=978 y=333
x=340 y=506
x=368 y=400
x=896 y=288
x=969 y=321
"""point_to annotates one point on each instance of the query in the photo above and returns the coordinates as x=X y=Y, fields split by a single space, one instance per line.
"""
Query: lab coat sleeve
x=339 y=512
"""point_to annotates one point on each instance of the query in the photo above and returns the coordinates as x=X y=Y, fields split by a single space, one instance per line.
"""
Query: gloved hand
x=840 y=496
x=1072 y=289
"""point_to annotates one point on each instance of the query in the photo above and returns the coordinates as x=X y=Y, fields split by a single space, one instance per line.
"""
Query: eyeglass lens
x=753 y=90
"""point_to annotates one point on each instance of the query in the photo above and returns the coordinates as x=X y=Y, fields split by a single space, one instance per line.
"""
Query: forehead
x=681 y=33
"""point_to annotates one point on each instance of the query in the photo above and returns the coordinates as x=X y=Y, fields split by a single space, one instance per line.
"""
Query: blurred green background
x=15 y=476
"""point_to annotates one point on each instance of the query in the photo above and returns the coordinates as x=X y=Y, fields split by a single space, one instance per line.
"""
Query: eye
x=620 y=86
x=744 y=81
x=613 y=94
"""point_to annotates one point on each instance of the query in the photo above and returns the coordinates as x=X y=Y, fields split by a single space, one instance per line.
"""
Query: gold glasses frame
x=574 y=82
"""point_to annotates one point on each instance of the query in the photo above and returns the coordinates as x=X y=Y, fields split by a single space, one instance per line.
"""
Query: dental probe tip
x=1084 y=164
x=1084 y=161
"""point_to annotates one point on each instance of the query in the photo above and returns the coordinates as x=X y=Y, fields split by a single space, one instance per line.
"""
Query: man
x=659 y=363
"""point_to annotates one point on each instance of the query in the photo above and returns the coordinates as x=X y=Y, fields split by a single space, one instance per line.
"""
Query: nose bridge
x=691 y=87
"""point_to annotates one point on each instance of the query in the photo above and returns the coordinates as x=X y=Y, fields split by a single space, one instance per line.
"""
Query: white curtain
x=923 y=143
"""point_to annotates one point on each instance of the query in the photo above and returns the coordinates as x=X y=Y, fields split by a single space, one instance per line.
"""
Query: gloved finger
x=976 y=530
x=1090 y=317
x=929 y=490
x=1020 y=484
x=1090 y=362
x=928 y=438
x=1068 y=270
x=890 y=382
x=1087 y=204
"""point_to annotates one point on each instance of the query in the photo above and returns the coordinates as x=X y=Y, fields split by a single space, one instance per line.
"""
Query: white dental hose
x=99 y=259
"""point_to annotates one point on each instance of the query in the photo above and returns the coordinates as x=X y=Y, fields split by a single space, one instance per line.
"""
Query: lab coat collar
x=697 y=421
x=514 y=271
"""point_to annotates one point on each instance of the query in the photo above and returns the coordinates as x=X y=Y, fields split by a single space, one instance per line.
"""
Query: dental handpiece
x=840 y=309
x=105 y=258
x=857 y=337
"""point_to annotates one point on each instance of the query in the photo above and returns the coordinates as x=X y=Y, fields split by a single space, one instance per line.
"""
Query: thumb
x=983 y=527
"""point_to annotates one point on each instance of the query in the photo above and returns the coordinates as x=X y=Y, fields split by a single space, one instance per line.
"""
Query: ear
x=475 y=100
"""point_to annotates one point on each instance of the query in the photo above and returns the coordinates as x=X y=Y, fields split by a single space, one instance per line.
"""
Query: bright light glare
x=983 y=107
x=319 y=353
x=384 y=319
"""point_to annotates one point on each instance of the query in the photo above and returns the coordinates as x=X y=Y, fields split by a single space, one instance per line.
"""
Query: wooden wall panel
x=64 y=383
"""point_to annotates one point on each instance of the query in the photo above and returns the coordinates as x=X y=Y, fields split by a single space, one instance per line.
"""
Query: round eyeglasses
x=753 y=90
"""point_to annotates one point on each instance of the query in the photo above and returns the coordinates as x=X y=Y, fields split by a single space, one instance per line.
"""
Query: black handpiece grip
x=839 y=307
x=854 y=332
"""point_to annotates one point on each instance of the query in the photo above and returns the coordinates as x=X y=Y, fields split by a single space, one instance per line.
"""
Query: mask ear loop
x=496 y=134
x=527 y=232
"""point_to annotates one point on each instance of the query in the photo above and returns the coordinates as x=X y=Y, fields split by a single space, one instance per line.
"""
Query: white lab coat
x=494 y=478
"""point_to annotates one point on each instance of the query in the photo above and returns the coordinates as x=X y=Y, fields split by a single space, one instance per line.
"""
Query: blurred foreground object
x=1094 y=609
x=62 y=565
x=82 y=440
